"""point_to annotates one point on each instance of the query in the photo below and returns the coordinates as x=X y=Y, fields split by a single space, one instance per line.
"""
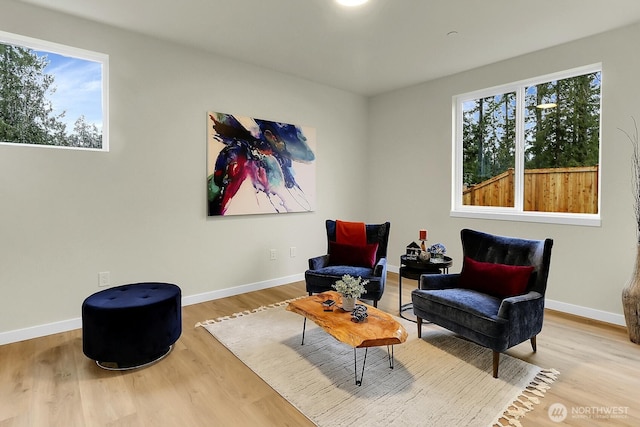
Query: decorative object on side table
x=424 y=256
x=631 y=293
x=437 y=252
x=413 y=250
x=423 y=238
x=350 y=288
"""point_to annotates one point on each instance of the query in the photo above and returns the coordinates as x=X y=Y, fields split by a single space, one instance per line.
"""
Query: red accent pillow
x=499 y=280
x=354 y=255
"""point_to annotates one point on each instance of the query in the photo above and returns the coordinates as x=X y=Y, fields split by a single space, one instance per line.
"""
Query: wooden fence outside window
x=570 y=190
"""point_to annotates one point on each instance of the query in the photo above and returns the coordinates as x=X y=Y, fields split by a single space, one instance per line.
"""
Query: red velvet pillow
x=354 y=255
x=499 y=280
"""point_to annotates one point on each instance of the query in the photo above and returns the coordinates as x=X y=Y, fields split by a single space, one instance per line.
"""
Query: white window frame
x=516 y=213
x=60 y=49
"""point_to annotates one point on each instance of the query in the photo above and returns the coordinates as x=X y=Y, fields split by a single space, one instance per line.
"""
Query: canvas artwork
x=259 y=166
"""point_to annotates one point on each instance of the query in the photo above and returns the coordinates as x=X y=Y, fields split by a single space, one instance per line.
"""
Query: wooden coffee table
x=378 y=329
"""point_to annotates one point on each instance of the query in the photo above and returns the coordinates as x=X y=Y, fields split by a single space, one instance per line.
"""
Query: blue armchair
x=497 y=300
x=323 y=273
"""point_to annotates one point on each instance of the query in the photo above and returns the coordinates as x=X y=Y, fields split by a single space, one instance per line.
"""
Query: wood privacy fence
x=572 y=190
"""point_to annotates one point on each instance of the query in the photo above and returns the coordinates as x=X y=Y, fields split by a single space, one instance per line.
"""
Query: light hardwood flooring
x=49 y=382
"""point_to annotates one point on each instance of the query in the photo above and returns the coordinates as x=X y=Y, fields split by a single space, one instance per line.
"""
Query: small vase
x=348 y=303
x=631 y=302
x=437 y=257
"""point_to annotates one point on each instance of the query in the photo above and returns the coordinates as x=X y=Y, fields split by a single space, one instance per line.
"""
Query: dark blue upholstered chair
x=496 y=323
x=320 y=275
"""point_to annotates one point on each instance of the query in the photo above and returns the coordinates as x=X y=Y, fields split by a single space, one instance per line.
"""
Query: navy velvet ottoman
x=129 y=326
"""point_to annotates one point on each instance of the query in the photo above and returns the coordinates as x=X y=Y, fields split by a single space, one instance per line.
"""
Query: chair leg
x=375 y=303
x=419 y=322
x=496 y=362
x=534 y=344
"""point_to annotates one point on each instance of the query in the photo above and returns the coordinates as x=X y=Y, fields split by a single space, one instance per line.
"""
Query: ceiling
x=381 y=46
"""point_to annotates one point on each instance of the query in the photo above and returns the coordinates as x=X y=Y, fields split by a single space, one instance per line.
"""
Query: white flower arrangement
x=349 y=286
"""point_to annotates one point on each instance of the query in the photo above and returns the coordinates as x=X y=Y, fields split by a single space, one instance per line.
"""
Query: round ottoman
x=129 y=326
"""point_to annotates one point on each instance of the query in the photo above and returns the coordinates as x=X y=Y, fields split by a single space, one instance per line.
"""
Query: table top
x=378 y=329
x=426 y=265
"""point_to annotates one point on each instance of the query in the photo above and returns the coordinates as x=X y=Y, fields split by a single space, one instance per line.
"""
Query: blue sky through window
x=78 y=84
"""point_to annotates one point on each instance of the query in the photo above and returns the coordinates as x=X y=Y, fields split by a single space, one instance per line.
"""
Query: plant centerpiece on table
x=631 y=293
x=437 y=251
x=350 y=288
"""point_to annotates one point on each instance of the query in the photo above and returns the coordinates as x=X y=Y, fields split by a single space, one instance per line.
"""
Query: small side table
x=413 y=269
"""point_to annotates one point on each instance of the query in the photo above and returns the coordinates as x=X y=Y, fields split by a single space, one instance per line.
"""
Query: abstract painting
x=257 y=166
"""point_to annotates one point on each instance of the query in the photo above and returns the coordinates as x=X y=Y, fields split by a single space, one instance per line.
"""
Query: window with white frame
x=52 y=95
x=530 y=150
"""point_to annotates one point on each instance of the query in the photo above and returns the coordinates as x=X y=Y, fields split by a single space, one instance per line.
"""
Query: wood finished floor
x=49 y=382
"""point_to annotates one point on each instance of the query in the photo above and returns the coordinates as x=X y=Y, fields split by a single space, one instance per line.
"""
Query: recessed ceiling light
x=351 y=2
x=546 y=106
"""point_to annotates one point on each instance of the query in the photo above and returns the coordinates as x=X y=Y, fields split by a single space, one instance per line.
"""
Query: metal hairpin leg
x=364 y=362
x=304 y=328
x=355 y=359
x=355 y=366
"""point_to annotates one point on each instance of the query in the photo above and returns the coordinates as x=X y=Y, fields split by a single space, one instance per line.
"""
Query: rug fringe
x=527 y=400
x=247 y=312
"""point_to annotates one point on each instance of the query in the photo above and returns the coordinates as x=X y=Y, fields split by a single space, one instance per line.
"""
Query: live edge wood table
x=378 y=329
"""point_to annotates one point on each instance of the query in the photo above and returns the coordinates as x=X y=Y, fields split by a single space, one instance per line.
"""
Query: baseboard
x=39 y=331
x=589 y=313
x=71 y=324
x=243 y=289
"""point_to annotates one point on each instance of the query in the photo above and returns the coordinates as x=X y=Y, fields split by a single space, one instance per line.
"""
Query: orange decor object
x=351 y=233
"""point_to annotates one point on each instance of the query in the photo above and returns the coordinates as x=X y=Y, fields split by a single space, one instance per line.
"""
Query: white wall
x=411 y=130
x=139 y=211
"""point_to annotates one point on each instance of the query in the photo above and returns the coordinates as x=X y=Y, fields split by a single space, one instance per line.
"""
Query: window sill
x=588 y=220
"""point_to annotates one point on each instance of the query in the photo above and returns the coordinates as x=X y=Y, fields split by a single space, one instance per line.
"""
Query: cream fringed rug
x=439 y=380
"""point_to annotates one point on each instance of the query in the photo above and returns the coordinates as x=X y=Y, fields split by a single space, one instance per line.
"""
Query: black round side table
x=413 y=269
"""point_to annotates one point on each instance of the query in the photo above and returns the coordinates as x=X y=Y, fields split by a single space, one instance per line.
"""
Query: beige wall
x=139 y=211
x=411 y=133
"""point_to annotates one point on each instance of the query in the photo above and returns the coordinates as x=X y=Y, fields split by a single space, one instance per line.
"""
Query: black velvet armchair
x=323 y=273
x=497 y=300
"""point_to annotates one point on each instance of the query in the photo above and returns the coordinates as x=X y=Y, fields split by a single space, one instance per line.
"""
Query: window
x=52 y=95
x=530 y=150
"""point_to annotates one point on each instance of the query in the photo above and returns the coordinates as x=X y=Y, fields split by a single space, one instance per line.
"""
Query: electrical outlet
x=104 y=279
x=293 y=251
x=273 y=254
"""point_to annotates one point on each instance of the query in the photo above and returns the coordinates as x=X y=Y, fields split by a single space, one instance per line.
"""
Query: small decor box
x=413 y=249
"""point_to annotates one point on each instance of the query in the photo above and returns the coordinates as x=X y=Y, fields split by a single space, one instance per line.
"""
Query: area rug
x=438 y=380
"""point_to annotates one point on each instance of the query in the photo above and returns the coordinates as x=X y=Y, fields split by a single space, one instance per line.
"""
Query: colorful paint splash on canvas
x=257 y=166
